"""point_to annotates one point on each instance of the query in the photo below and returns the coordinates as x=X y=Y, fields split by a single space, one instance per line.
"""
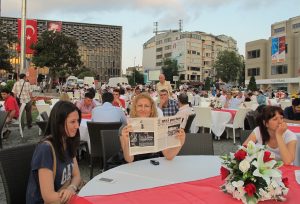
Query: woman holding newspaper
x=143 y=106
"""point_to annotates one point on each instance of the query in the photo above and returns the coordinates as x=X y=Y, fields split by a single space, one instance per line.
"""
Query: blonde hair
x=133 y=113
x=64 y=97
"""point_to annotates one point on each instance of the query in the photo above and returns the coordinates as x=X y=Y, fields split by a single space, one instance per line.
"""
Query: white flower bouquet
x=251 y=174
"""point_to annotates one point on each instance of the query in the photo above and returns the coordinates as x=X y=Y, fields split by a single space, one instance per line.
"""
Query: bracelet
x=73 y=187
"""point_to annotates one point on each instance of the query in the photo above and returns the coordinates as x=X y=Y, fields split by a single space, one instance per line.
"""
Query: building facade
x=100 y=46
x=195 y=52
x=275 y=62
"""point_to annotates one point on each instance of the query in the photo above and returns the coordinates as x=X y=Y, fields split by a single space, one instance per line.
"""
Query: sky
x=244 y=20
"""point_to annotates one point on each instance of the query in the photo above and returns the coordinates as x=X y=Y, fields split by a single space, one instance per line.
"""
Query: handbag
x=18 y=97
x=68 y=182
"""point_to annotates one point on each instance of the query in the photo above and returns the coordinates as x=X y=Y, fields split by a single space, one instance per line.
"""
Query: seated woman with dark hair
x=272 y=131
x=54 y=161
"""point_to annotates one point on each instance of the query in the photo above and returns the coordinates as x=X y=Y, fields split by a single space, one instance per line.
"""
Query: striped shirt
x=26 y=91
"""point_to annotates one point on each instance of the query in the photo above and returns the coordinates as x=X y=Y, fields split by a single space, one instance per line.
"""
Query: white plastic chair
x=54 y=101
x=40 y=102
x=70 y=94
x=43 y=108
x=238 y=122
x=76 y=95
x=203 y=117
x=285 y=104
x=19 y=120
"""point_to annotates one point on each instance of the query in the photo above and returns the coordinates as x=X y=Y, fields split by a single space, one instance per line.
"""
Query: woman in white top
x=272 y=131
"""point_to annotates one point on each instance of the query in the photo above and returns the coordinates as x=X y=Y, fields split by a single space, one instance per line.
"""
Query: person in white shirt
x=272 y=132
x=231 y=102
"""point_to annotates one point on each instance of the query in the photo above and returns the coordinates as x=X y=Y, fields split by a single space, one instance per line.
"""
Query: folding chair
x=105 y=142
x=15 y=167
x=197 y=144
x=3 y=116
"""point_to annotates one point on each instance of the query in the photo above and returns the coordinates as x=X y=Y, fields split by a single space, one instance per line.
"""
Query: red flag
x=31 y=34
x=54 y=25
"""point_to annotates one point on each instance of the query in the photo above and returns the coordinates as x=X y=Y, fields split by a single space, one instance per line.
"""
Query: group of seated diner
x=63 y=139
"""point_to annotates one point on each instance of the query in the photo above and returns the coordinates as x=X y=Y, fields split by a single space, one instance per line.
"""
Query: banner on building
x=31 y=34
x=56 y=26
x=278 y=49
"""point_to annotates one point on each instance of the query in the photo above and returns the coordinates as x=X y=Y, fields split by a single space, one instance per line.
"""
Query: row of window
x=254 y=72
x=276 y=69
x=279 y=69
x=194 y=68
x=282 y=29
x=193 y=52
x=253 y=54
x=296 y=25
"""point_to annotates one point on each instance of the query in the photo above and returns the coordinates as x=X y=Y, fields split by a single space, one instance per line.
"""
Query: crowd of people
x=54 y=160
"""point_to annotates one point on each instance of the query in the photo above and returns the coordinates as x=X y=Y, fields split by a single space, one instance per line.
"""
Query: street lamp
x=23 y=35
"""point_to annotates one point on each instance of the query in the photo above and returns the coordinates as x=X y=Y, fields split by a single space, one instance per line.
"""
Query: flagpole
x=23 y=36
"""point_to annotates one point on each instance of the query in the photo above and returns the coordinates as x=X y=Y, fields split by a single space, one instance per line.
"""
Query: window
x=158 y=63
x=158 y=56
x=279 y=69
x=296 y=25
x=279 y=30
x=168 y=47
x=254 y=72
x=195 y=68
x=159 y=49
x=193 y=52
x=253 y=54
x=167 y=40
x=159 y=42
x=189 y=52
x=168 y=54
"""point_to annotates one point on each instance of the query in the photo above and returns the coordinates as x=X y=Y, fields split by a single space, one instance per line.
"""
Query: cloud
x=164 y=8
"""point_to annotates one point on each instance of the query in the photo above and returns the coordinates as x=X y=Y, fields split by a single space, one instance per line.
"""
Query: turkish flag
x=31 y=34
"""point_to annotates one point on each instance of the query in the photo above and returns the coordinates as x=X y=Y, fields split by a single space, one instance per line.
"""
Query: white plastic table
x=142 y=174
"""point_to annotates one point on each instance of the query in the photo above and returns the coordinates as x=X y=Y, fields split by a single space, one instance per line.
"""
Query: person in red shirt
x=119 y=102
x=10 y=105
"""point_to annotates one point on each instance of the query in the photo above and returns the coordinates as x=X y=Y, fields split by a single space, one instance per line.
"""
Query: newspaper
x=153 y=134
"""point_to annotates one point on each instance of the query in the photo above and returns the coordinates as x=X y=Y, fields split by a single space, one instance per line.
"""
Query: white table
x=142 y=174
x=297 y=158
x=84 y=133
x=219 y=120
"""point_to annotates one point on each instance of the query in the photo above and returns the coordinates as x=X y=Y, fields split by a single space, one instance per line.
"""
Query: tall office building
x=195 y=52
x=275 y=62
x=100 y=46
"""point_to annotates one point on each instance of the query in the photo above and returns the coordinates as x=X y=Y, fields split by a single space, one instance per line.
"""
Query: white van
x=90 y=81
x=113 y=82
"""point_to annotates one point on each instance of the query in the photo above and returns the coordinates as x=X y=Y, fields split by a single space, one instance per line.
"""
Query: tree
x=170 y=68
x=6 y=39
x=228 y=66
x=207 y=84
x=136 y=78
x=56 y=51
x=252 y=84
x=241 y=79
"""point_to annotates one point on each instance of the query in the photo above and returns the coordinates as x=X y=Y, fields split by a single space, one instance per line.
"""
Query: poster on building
x=56 y=26
x=278 y=49
x=31 y=35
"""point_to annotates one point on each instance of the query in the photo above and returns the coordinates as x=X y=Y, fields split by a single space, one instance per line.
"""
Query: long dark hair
x=56 y=133
x=266 y=114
